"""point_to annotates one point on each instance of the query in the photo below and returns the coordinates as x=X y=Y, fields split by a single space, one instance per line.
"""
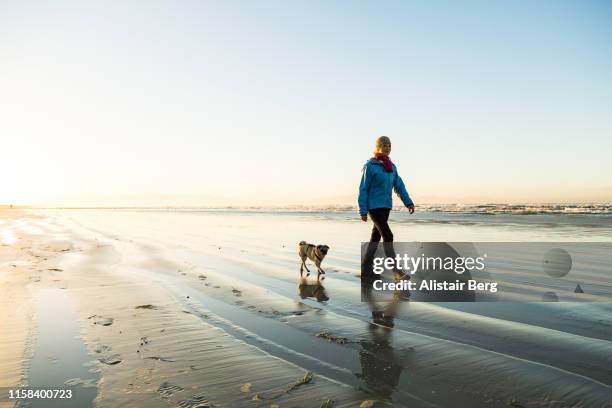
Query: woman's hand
x=364 y=218
x=410 y=208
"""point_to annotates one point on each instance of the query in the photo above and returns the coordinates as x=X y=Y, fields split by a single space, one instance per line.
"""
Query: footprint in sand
x=147 y=306
x=102 y=348
x=236 y=292
x=111 y=360
x=53 y=359
x=202 y=277
x=157 y=358
x=197 y=401
x=101 y=320
x=167 y=390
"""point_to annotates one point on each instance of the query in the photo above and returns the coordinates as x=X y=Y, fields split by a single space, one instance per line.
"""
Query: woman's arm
x=400 y=190
x=364 y=187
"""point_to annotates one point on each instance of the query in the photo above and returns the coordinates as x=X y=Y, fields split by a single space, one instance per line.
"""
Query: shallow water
x=60 y=359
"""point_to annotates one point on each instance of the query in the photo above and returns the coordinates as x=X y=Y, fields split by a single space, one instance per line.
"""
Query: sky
x=279 y=102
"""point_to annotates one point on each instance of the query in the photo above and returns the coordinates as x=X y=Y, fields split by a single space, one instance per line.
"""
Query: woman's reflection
x=381 y=367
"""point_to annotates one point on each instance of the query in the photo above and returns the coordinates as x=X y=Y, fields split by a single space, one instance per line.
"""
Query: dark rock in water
x=578 y=289
x=329 y=337
x=550 y=297
x=304 y=380
x=111 y=360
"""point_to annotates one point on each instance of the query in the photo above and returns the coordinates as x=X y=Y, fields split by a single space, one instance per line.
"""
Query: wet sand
x=15 y=305
x=149 y=347
x=176 y=310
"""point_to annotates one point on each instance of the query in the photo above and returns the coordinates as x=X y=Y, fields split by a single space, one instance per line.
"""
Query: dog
x=315 y=253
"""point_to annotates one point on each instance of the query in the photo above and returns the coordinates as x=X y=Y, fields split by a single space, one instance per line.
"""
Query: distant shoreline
x=484 y=209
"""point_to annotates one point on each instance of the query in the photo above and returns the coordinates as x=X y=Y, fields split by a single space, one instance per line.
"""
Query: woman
x=379 y=178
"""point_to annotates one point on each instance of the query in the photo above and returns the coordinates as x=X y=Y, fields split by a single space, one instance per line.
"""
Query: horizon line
x=294 y=206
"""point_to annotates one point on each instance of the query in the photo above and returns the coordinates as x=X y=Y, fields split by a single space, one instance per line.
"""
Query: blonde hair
x=381 y=141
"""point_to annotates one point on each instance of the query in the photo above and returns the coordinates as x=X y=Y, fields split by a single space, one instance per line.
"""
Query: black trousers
x=380 y=218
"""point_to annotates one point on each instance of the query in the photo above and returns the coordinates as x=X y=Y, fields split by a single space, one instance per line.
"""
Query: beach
x=204 y=307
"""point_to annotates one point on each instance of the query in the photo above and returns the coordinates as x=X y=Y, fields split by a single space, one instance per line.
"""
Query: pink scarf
x=386 y=161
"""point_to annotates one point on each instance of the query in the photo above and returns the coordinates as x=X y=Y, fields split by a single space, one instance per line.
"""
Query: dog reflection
x=316 y=291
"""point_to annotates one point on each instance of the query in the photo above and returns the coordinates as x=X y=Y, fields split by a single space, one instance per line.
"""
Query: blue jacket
x=376 y=185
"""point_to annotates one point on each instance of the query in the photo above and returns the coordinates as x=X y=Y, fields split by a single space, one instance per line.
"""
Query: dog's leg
x=304 y=265
x=319 y=269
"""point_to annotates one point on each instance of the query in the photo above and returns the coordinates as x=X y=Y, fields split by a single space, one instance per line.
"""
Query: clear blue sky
x=279 y=102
